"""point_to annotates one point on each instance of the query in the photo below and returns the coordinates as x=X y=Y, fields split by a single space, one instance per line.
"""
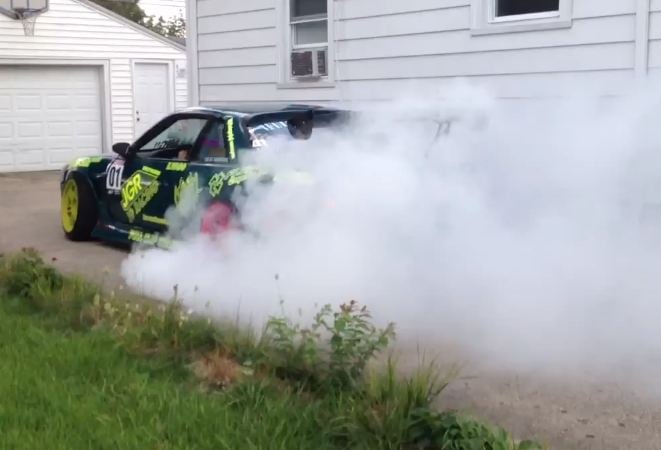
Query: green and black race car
x=124 y=197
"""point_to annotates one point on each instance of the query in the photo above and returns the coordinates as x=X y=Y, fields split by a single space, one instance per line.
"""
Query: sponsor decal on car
x=189 y=186
x=175 y=166
x=155 y=219
x=138 y=191
x=150 y=239
x=231 y=178
x=86 y=161
x=230 y=138
x=114 y=174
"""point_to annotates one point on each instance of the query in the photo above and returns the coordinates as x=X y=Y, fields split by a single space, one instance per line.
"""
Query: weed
x=383 y=410
x=21 y=272
x=453 y=431
x=219 y=371
x=333 y=351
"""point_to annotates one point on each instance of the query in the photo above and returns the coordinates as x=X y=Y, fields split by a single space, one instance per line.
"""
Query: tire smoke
x=528 y=237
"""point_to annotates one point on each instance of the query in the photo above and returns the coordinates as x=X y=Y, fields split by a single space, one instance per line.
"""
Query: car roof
x=252 y=110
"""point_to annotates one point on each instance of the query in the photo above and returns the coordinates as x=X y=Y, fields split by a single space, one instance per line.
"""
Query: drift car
x=198 y=151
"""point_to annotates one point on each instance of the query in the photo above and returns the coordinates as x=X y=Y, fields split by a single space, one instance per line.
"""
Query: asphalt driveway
x=29 y=217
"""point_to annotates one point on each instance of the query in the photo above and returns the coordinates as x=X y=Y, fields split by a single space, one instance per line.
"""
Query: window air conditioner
x=309 y=63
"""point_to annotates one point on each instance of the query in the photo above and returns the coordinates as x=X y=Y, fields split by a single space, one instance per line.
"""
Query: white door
x=49 y=115
x=152 y=95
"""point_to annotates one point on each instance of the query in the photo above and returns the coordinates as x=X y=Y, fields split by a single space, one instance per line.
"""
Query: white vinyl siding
x=435 y=45
x=180 y=93
x=655 y=39
x=382 y=47
x=238 y=55
x=72 y=30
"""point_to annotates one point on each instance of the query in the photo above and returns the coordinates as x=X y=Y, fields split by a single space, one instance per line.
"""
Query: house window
x=308 y=20
x=511 y=16
x=517 y=7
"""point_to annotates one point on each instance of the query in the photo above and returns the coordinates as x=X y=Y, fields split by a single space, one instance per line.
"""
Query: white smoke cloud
x=525 y=237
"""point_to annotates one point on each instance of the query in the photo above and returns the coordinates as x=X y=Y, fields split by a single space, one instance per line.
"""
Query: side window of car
x=176 y=141
x=212 y=144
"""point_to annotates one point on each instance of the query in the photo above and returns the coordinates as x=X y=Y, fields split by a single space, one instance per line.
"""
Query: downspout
x=192 y=53
x=641 y=63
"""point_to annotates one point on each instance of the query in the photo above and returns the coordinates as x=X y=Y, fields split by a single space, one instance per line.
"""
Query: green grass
x=64 y=390
x=80 y=368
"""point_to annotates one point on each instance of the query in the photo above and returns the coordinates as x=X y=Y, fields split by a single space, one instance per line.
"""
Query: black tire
x=78 y=227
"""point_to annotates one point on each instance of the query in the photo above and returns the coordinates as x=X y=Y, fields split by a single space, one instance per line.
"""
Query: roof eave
x=130 y=23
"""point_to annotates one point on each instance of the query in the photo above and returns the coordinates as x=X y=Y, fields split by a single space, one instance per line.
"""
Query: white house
x=329 y=50
x=85 y=79
x=164 y=8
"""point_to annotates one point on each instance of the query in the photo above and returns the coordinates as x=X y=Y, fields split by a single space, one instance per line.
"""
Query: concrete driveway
x=575 y=414
x=29 y=217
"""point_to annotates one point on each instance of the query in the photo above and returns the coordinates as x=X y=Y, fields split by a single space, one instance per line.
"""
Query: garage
x=49 y=115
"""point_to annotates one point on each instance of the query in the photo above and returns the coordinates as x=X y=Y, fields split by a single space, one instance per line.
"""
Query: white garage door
x=48 y=116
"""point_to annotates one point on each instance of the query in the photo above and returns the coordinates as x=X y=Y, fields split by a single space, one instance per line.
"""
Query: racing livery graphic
x=190 y=156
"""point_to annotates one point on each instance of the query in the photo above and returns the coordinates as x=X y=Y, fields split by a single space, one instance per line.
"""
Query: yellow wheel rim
x=69 y=205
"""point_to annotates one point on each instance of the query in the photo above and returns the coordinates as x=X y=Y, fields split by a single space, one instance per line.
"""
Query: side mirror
x=122 y=149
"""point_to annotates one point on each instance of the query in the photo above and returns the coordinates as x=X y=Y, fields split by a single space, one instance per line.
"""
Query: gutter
x=642 y=48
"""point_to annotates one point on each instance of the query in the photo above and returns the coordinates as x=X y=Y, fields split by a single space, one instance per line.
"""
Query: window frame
x=163 y=130
x=319 y=45
x=310 y=18
x=195 y=155
x=153 y=132
x=484 y=19
x=286 y=45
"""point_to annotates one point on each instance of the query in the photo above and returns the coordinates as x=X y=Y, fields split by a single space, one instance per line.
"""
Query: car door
x=142 y=186
x=211 y=157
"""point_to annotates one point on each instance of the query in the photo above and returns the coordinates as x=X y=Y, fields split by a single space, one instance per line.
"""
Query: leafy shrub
x=452 y=431
x=20 y=273
x=333 y=351
x=27 y=277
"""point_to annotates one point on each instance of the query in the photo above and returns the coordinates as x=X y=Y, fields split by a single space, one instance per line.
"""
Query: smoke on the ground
x=527 y=237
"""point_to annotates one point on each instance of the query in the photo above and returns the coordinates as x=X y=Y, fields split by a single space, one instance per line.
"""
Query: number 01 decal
x=114 y=175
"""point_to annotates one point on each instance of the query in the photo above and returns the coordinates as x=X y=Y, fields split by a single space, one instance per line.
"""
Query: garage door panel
x=85 y=145
x=57 y=129
x=30 y=144
x=48 y=116
x=6 y=160
x=87 y=129
x=51 y=76
x=86 y=102
x=58 y=102
x=61 y=156
x=30 y=130
x=30 y=157
x=6 y=130
x=28 y=103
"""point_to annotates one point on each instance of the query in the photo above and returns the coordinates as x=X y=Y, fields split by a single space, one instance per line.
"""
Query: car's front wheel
x=78 y=209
